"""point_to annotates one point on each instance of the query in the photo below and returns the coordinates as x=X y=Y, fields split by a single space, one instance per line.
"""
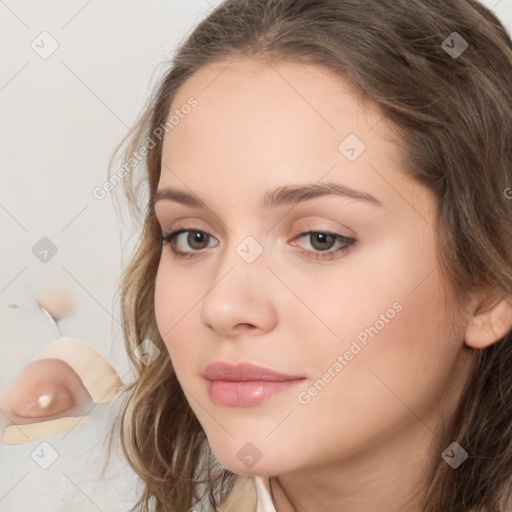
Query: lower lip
x=245 y=394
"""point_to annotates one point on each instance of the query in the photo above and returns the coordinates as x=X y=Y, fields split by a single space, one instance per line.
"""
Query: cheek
x=389 y=321
x=169 y=295
x=401 y=361
x=400 y=373
x=363 y=293
x=394 y=295
x=176 y=314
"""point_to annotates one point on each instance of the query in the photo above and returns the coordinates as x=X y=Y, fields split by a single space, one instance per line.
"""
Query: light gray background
x=61 y=117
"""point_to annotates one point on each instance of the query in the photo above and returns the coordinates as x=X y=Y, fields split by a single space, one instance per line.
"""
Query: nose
x=241 y=299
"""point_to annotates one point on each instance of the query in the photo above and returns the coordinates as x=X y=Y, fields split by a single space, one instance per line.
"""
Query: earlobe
x=487 y=325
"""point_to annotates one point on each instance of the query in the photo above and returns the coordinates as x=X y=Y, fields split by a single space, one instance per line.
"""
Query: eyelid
x=321 y=224
x=190 y=223
x=311 y=224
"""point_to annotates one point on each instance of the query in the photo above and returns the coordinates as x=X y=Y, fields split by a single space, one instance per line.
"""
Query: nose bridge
x=249 y=250
x=243 y=264
x=240 y=290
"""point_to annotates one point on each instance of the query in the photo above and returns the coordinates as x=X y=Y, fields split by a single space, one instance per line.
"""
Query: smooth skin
x=363 y=443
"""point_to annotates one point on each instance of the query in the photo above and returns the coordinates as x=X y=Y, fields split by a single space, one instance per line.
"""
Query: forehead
x=279 y=122
x=271 y=89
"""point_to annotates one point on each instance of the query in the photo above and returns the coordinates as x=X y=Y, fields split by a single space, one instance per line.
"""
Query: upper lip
x=243 y=372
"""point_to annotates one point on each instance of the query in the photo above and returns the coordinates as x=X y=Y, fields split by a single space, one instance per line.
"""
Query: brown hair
x=453 y=114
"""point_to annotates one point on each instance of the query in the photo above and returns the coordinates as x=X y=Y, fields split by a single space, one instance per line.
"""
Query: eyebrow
x=285 y=195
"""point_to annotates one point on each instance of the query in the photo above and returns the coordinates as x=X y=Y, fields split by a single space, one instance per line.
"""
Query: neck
x=387 y=479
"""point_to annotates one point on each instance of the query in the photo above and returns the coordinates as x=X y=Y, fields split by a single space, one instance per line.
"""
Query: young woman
x=319 y=308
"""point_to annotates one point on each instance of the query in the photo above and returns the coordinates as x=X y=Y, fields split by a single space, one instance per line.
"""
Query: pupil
x=325 y=238
x=196 y=237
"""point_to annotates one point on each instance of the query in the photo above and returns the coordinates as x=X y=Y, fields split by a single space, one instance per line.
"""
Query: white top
x=264 y=503
x=251 y=494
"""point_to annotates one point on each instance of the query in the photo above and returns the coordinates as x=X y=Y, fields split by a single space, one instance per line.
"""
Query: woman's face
x=365 y=331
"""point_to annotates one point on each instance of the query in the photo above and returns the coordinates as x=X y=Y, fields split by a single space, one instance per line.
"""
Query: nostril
x=45 y=389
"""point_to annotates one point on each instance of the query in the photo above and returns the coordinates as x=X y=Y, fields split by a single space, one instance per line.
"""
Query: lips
x=243 y=373
x=246 y=385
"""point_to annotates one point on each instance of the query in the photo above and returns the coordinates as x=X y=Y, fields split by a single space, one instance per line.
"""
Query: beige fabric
x=242 y=497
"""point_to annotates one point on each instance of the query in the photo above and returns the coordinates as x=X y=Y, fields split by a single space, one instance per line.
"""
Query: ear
x=490 y=320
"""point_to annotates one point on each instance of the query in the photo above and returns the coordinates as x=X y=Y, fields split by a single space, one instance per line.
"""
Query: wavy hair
x=453 y=114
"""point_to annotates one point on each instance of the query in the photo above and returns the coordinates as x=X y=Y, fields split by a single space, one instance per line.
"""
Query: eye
x=321 y=242
x=195 y=239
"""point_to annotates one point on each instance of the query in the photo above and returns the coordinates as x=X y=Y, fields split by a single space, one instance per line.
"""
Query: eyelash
x=323 y=255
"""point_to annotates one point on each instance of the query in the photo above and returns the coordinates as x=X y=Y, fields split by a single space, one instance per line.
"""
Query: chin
x=239 y=462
